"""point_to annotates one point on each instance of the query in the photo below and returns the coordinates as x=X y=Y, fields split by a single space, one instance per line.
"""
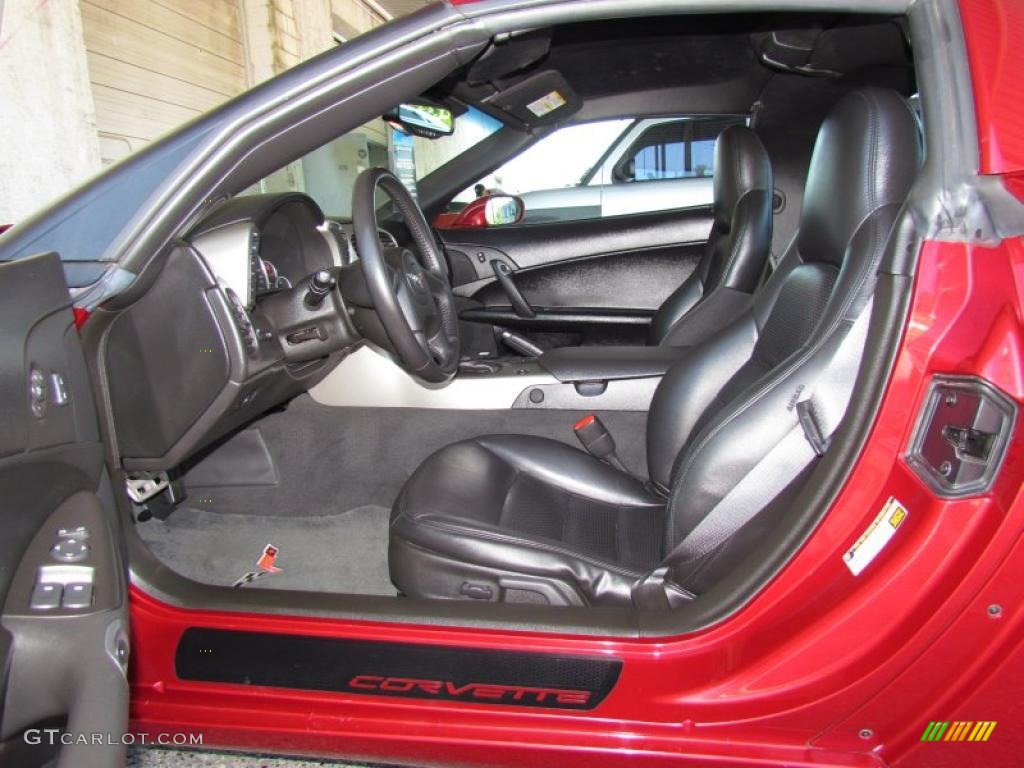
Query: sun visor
x=538 y=100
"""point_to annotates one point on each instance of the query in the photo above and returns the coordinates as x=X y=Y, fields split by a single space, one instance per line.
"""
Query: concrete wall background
x=86 y=81
x=49 y=142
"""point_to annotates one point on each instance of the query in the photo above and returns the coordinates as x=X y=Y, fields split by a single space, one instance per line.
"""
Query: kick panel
x=395 y=669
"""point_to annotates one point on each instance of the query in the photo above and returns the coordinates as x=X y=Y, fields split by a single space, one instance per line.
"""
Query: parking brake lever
x=504 y=274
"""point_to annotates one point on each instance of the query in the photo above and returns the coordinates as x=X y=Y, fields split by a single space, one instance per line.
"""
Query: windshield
x=328 y=173
x=566 y=158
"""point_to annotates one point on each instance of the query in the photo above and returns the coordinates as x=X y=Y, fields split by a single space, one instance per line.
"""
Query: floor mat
x=339 y=553
x=365 y=455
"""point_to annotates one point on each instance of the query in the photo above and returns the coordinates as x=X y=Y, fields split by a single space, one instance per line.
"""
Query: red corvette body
x=821 y=668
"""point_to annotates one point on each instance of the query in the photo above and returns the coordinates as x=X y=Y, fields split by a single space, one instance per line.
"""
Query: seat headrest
x=741 y=165
x=866 y=156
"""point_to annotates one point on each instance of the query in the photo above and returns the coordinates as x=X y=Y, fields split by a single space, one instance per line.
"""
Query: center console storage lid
x=608 y=363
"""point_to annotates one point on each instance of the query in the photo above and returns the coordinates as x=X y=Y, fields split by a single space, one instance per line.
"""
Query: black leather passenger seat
x=517 y=518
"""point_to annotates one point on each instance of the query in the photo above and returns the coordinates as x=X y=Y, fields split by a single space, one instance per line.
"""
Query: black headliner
x=696 y=64
x=611 y=57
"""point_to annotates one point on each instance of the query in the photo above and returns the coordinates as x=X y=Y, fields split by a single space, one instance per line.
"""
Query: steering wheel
x=410 y=289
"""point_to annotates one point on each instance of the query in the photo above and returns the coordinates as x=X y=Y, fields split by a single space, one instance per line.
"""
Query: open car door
x=64 y=628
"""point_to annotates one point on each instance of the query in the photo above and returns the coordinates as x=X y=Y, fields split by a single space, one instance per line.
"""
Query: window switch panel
x=77 y=596
x=45 y=597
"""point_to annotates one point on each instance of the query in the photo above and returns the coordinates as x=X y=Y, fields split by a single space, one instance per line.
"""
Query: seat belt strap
x=807 y=440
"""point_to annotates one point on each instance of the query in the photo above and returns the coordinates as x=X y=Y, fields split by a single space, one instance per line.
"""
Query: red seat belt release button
x=595 y=438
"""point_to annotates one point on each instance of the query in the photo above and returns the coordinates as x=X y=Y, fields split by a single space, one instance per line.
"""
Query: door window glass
x=609 y=168
x=680 y=149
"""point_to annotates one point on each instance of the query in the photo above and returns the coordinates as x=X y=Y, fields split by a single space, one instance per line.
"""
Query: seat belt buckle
x=595 y=437
x=819 y=443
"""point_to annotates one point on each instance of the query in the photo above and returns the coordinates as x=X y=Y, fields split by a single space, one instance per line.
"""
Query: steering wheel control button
x=70 y=550
x=77 y=596
x=45 y=597
x=78 y=532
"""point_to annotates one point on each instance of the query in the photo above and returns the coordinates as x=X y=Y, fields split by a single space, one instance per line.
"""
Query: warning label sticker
x=547 y=103
x=876 y=536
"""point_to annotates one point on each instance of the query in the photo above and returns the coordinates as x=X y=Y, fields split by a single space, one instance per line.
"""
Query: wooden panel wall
x=154 y=64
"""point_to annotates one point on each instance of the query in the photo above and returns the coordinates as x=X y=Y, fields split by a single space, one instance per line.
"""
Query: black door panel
x=639 y=280
x=536 y=244
x=64 y=626
x=597 y=281
x=552 y=328
x=472 y=263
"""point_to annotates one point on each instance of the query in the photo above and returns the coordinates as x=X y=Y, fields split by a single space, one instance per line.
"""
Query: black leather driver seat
x=719 y=289
x=525 y=519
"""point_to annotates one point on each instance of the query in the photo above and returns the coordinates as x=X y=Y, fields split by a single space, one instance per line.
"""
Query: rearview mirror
x=423 y=120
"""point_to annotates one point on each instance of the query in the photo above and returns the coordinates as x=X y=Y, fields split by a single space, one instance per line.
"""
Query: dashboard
x=258 y=244
x=243 y=316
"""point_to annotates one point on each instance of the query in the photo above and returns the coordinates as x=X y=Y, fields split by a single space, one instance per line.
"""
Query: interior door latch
x=961 y=435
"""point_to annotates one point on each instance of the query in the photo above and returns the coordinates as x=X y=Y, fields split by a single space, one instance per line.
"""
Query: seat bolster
x=570 y=469
x=732 y=443
x=748 y=244
x=689 y=388
x=462 y=477
x=674 y=308
x=716 y=311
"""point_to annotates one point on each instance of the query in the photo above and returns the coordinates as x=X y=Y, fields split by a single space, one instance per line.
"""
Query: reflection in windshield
x=328 y=173
x=562 y=159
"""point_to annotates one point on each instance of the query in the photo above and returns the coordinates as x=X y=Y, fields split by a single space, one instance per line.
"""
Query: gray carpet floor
x=329 y=459
x=321 y=489
x=339 y=553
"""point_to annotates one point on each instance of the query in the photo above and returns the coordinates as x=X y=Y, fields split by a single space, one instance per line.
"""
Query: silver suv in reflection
x=656 y=164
